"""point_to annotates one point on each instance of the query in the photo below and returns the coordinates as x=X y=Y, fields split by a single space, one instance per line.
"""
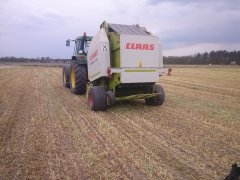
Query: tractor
x=75 y=75
x=121 y=62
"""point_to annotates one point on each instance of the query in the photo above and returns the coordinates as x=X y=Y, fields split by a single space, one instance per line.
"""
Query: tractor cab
x=82 y=44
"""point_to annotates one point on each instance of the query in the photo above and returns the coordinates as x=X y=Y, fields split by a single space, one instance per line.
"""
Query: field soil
x=48 y=133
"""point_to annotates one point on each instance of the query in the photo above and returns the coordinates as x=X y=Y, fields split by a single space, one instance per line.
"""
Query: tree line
x=214 y=57
x=33 y=60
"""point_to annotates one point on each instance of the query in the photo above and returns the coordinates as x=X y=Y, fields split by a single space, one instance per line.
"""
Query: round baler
x=121 y=62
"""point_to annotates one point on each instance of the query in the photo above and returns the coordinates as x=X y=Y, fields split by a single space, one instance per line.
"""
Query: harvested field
x=48 y=133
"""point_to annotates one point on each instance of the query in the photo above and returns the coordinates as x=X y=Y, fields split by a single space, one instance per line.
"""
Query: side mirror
x=68 y=42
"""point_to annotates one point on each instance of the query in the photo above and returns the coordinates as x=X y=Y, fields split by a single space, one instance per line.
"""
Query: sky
x=39 y=28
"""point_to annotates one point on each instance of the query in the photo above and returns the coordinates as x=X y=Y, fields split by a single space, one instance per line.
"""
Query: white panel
x=98 y=56
x=139 y=51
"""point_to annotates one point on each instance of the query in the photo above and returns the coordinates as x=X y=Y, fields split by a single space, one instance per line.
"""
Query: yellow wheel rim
x=73 y=77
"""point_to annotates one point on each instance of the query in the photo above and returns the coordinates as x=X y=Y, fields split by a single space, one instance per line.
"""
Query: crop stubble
x=47 y=132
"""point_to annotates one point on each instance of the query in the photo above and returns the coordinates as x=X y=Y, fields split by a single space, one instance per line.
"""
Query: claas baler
x=124 y=62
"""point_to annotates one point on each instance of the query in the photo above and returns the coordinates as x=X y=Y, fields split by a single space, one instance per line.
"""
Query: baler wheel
x=97 y=98
x=156 y=100
x=78 y=78
x=66 y=70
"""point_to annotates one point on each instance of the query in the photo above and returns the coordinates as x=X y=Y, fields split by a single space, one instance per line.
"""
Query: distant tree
x=214 y=57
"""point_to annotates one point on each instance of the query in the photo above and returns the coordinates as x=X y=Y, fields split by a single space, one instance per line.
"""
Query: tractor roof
x=88 y=37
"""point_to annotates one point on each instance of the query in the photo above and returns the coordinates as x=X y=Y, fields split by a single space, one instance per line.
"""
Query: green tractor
x=75 y=75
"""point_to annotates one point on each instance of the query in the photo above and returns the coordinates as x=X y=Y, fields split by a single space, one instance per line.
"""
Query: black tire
x=78 y=78
x=110 y=98
x=97 y=98
x=156 y=100
x=65 y=74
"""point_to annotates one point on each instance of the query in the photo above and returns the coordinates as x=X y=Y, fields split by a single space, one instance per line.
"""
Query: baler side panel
x=98 y=56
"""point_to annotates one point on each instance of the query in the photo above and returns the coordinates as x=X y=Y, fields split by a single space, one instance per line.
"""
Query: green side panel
x=114 y=40
x=113 y=82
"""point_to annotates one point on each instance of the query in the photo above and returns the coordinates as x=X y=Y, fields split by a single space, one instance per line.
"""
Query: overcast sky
x=39 y=28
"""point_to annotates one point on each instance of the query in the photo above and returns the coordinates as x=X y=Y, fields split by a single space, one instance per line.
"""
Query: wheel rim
x=90 y=99
x=73 y=77
x=109 y=100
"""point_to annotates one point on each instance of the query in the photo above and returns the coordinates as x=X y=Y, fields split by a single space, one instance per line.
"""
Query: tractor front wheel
x=97 y=98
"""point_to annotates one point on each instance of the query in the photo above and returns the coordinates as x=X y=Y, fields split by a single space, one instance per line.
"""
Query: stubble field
x=48 y=133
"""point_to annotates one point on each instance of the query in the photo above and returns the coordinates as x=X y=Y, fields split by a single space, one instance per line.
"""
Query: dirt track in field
x=48 y=133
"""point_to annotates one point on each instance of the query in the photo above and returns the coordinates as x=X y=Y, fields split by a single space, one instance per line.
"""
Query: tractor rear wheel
x=78 y=78
x=156 y=100
x=66 y=72
x=97 y=98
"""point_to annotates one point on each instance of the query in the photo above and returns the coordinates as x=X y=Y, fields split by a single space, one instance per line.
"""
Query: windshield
x=82 y=46
x=86 y=46
x=78 y=45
